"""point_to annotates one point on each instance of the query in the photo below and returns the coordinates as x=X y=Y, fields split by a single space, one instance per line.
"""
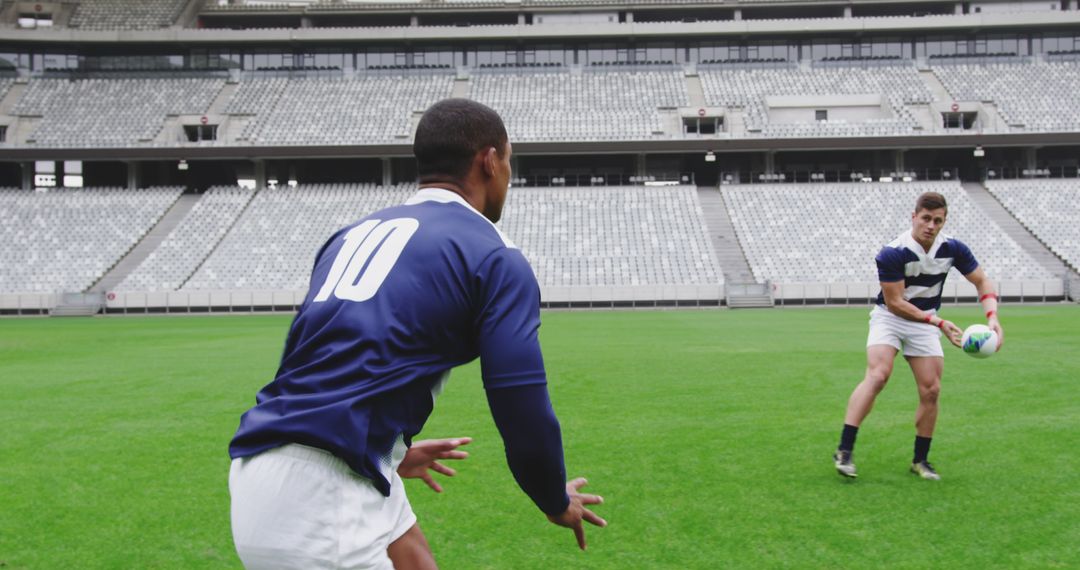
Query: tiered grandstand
x=590 y=105
x=612 y=236
x=1049 y=208
x=828 y=233
x=65 y=239
x=798 y=135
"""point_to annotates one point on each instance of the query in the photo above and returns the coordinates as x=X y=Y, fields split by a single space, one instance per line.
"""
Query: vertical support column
x=387 y=171
x=521 y=19
x=27 y=175
x=959 y=8
x=133 y=178
x=847 y=11
x=1031 y=158
x=640 y=168
x=305 y=22
x=260 y=174
x=414 y=21
x=738 y=14
x=898 y=160
x=629 y=17
x=1072 y=5
x=770 y=161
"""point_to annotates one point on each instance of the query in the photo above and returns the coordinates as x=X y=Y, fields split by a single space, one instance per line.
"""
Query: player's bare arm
x=897 y=305
x=989 y=299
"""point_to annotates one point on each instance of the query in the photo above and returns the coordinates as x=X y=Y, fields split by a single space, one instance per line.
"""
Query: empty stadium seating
x=273 y=244
x=826 y=233
x=1050 y=209
x=67 y=238
x=110 y=112
x=899 y=85
x=590 y=105
x=1033 y=96
x=600 y=236
x=613 y=236
x=188 y=245
x=125 y=14
x=368 y=109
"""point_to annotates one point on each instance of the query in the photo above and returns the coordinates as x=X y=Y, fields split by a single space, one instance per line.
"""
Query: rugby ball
x=979 y=341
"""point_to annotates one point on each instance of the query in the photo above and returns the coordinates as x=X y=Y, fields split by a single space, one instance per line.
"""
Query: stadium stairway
x=147 y=244
x=1015 y=230
x=722 y=236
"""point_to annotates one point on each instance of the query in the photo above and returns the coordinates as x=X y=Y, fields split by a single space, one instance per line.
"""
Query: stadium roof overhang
x=515 y=32
x=551 y=148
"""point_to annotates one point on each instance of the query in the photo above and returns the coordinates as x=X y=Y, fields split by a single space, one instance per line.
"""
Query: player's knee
x=877 y=377
x=929 y=393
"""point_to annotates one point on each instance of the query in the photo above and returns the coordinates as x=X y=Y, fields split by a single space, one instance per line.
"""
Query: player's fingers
x=593 y=518
x=453 y=454
x=590 y=499
x=440 y=468
x=435 y=486
x=579 y=533
x=576 y=484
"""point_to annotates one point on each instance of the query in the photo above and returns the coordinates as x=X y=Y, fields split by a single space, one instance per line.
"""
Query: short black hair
x=450 y=134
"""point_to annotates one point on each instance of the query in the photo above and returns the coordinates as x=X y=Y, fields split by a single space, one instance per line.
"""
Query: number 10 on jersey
x=366 y=258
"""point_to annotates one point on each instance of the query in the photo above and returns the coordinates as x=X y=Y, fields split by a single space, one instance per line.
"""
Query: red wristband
x=941 y=324
x=928 y=319
x=989 y=296
x=990 y=314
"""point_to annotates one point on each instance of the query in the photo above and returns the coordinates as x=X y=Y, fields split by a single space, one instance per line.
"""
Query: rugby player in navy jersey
x=912 y=271
x=397 y=300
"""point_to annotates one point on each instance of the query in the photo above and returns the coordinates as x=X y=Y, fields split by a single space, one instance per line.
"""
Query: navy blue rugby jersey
x=395 y=301
x=923 y=272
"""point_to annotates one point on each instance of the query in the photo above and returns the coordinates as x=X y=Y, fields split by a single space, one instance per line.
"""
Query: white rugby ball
x=979 y=341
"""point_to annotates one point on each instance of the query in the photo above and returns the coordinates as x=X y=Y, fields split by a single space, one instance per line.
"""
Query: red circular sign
x=701 y=112
x=111 y=296
x=955 y=107
x=204 y=120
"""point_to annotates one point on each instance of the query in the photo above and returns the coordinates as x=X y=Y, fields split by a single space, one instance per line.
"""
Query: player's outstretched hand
x=424 y=455
x=953 y=332
x=996 y=327
x=576 y=512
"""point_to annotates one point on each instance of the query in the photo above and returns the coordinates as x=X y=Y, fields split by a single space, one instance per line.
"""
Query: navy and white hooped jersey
x=923 y=272
x=395 y=301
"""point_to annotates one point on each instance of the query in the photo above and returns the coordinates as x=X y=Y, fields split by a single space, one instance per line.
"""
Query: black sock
x=922 y=448
x=847 y=437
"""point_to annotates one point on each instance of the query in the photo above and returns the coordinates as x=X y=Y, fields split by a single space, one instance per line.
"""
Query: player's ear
x=491 y=158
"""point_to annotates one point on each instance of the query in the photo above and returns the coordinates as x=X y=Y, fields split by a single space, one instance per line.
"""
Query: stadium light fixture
x=979 y=152
x=710 y=156
x=182 y=165
x=292 y=183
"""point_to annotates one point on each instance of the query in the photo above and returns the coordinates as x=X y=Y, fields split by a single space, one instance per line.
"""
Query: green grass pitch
x=709 y=433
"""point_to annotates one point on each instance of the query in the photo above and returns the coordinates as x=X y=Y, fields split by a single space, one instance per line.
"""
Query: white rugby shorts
x=909 y=337
x=301 y=507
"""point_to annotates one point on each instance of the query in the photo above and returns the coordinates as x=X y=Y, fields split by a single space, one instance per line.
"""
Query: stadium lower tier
x=156 y=248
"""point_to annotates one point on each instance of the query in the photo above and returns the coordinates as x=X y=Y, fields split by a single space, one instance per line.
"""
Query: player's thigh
x=927 y=371
x=411 y=551
x=879 y=361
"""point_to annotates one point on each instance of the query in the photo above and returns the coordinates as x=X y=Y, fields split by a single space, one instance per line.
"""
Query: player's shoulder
x=954 y=243
x=895 y=250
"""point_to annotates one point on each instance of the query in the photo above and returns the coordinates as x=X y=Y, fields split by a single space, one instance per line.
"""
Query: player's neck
x=475 y=199
x=926 y=246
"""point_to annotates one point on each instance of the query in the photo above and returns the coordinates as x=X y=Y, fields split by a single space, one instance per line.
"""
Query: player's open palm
x=423 y=456
x=576 y=511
